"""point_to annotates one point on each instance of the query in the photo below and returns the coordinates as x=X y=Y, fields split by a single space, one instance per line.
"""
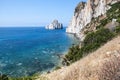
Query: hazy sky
x=35 y=12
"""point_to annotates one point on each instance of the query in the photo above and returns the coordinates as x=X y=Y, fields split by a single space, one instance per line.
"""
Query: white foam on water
x=2 y=64
x=44 y=51
x=19 y=64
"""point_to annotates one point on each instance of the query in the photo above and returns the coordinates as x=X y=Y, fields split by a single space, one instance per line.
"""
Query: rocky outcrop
x=85 y=12
x=54 y=25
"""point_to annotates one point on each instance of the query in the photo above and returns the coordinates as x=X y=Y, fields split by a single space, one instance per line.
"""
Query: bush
x=57 y=67
x=91 y=42
x=72 y=51
x=22 y=78
x=114 y=12
x=104 y=22
x=98 y=37
x=4 y=77
x=117 y=29
x=118 y=20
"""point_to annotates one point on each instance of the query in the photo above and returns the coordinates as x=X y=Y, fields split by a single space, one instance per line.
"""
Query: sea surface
x=28 y=50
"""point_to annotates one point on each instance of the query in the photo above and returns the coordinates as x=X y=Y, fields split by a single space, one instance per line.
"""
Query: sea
x=25 y=51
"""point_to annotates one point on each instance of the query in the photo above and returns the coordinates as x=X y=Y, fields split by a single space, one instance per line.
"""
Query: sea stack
x=54 y=25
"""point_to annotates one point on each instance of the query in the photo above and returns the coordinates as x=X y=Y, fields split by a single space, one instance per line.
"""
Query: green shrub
x=104 y=22
x=114 y=11
x=72 y=51
x=117 y=29
x=98 y=37
x=57 y=67
x=91 y=42
x=4 y=77
x=22 y=78
x=118 y=19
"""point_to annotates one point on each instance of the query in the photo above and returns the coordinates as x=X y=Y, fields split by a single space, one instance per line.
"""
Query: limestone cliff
x=85 y=12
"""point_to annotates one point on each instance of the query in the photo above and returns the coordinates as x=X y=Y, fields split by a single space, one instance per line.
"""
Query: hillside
x=97 y=57
x=103 y=64
x=97 y=25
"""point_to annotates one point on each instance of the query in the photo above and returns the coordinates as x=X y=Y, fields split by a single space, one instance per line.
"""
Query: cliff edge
x=85 y=12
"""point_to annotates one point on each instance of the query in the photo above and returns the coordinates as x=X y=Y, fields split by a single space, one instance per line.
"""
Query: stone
x=54 y=25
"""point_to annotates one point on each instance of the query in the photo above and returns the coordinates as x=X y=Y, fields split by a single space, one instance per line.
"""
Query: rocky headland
x=85 y=13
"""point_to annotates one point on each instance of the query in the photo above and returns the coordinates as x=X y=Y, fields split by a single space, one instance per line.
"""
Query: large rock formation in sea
x=85 y=12
x=54 y=25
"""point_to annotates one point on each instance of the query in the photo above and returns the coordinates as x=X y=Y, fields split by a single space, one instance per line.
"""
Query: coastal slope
x=103 y=64
x=97 y=25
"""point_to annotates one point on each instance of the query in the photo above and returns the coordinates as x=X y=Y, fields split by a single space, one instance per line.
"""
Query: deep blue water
x=25 y=51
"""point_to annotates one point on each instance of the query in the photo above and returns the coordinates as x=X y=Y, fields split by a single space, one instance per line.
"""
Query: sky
x=36 y=12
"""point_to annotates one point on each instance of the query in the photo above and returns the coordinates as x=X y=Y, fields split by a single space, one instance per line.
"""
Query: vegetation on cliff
x=33 y=77
x=95 y=39
x=103 y=64
x=112 y=13
x=92 y=42
x=5 y=77
x=80 y=6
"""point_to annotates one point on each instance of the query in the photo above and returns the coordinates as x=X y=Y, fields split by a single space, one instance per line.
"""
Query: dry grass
x=103 y=64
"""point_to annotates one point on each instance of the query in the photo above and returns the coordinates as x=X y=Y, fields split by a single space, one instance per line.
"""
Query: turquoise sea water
x=25 y=51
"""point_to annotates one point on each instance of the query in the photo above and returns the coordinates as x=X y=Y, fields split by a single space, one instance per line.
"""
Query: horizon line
x=23 y=26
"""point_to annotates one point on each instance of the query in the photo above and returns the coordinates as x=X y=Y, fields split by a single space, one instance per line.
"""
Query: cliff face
x=85 y=12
